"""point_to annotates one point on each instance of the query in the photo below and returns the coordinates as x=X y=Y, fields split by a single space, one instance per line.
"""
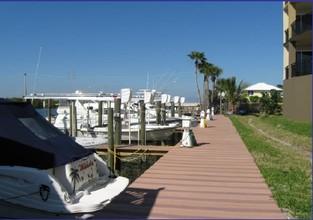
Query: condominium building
x=297 y=27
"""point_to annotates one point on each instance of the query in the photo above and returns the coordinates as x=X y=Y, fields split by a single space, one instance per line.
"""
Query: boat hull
x=163 y=133
x=16 y=211
x=153 y=132
x=81 y=187
x=90 y=142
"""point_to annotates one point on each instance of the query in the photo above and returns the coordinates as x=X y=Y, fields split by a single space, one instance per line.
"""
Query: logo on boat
x=85 y=165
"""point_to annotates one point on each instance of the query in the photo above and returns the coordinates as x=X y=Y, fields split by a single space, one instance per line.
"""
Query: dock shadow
x=133 y=203
x=202 y=143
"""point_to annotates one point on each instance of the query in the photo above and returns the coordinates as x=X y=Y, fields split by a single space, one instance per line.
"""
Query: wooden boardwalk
x=216 y=179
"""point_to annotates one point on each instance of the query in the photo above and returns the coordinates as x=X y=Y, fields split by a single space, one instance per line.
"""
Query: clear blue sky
x=106 y=46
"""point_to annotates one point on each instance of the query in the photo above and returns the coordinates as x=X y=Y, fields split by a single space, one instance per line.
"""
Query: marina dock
x=216 y=179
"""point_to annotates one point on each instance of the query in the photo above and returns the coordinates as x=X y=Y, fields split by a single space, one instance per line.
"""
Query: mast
x=25 y=89
x=37 y=69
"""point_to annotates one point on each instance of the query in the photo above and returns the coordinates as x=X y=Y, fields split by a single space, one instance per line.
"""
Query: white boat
x=44 y=173
x=90 y=142
x=154 y=132
x=86 y=105
x=87 y=109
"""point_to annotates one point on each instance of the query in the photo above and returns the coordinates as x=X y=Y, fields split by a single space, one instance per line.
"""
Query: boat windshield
x=40 y=129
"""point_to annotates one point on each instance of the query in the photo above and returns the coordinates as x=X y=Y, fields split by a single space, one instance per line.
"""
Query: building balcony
x=286 y=38
x=300 y=30
x=301 y=5
x=301 y=25
x=301 y=68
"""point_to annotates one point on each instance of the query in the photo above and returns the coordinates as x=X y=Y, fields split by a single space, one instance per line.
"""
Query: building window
x=303 y=55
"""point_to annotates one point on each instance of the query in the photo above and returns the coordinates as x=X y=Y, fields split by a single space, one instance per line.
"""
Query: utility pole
x=25 y=89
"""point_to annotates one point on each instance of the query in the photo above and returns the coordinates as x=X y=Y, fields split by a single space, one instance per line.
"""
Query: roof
x=27 y=139
x=262 y=87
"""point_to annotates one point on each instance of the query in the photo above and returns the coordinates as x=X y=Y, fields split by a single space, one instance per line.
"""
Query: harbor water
x=133 y=166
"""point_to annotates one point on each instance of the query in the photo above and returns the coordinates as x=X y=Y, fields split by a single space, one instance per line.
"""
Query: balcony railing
x=287 y=72
x=301 y=68
x=286 y=37
x=302 y=24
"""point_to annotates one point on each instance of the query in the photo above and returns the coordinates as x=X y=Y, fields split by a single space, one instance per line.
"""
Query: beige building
x=297 y=27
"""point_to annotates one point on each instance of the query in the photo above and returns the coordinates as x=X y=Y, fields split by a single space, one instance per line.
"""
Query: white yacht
x=46 y=174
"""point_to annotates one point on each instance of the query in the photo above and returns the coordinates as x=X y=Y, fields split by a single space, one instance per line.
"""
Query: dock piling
x=118 y=122
x=110 y=157
x=74 y=120
x=49 y=110
x=100 y=106
x=142 y=123
x=158 y=112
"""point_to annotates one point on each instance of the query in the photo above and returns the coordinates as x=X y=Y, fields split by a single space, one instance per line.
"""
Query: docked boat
x=91 y=142
x=86 y=107
x=87 y=115
x=153 y=132
x=46 y=174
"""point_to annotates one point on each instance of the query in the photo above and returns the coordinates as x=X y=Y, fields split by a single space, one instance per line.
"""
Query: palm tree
x=233 y=91
x=221 y=87
x=206 y=69
x=217 y=71
x=75 y=177
x=198 y=57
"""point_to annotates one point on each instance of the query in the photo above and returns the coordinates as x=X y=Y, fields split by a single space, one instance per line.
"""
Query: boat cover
x=28 y=139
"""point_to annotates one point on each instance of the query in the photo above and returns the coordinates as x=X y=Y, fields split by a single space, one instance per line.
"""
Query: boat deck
x=216 y=179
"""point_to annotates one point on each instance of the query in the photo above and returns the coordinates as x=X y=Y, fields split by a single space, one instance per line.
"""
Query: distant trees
x=210 y=72
x=217 y=71
x=228 y=89
x=37 y=103
x=206 y=69
x=198 y=58
x=231 y=90
x=270 y=103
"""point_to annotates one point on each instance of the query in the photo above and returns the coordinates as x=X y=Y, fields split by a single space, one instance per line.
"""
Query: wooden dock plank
x=217 y=179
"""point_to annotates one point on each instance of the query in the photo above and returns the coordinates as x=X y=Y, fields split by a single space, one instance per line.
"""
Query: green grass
x=286 y=169
x=299 y=128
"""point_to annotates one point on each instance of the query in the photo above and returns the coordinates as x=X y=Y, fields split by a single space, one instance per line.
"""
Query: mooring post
x=163 y=118
x=70 y=121
x=118 y=121
x=163 y=114
x=100 y=104
x=172 y=109
x=74 y=120
x=49 y=110
x=142 y=123
x=158 y=112
x=110 y=158
x=179 y=109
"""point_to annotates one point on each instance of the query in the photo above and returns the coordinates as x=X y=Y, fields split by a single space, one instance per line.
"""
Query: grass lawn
x=282 y=149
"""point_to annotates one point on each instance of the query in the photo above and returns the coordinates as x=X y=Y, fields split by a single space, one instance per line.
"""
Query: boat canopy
x=28 y=139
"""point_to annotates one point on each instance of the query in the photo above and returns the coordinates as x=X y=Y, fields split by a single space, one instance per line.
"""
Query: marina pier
x=218 y=178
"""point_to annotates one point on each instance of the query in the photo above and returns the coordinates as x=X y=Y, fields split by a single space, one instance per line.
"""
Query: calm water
x=44 y=111
x=133 y=166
